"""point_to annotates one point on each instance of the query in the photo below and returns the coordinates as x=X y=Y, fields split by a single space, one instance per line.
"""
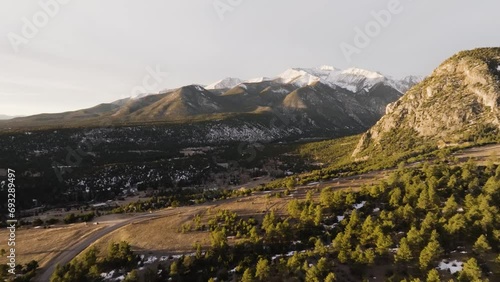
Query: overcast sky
x=86 y=52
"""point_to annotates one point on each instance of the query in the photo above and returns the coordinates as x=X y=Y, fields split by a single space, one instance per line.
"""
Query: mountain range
x=324 y=100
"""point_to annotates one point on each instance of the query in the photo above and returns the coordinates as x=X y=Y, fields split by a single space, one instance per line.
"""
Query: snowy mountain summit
x=352 y=79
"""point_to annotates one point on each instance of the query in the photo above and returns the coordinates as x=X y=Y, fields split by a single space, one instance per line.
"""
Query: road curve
x=72 y=251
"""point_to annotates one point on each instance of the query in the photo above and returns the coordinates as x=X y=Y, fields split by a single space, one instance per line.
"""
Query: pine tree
x=395 y=197
x=414 y=238
x=318 y=215
x=403 y=254
x=481 y=245
x=294 y=261
x=428 y=223
x=262 y=270
x=218 y=239
x=174 y=269
x=247 y=276
x=367 y=230
x=424 y=201
x=455 y=224
x=431 y=252
x=254 y=235
x=319 y=247
x=450 y=207
x=312 y=274
x=369 y=256
x=470 y=271
x=492 y=186
x=330 y=277
x=132 y=276
x=433 y=276
x=384 y=242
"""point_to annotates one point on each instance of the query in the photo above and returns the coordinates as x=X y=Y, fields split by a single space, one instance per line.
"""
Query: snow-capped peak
x=228 y=82
x=297 y=76
x=364 y=73
x=353 y=79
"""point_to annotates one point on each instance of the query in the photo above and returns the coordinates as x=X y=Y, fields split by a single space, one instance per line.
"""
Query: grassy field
x=163 y=236
x=42 y=244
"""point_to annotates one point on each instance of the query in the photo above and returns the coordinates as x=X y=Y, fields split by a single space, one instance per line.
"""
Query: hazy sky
x=78 y=53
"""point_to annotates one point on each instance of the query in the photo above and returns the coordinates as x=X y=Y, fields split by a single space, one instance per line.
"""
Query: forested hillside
x=435 y=222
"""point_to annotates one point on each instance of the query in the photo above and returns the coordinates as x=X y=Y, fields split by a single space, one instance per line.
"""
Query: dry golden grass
x=43 y=244
x=162 y=235
x=156 y=235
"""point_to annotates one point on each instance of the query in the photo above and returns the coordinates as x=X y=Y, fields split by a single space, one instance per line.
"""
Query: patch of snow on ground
x=360 y=205
x=340 y=218
x=453 y=266
x=108 y=275
x=289 y=254
x=151 y=260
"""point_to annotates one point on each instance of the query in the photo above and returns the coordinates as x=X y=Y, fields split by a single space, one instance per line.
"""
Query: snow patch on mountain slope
x=280 y=91
x=258 y=79
x=226 y=83
x=406 y=83
x=362 y=73
x=199 y=88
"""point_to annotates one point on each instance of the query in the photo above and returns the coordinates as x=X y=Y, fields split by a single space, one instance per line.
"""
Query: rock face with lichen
x=459 y=102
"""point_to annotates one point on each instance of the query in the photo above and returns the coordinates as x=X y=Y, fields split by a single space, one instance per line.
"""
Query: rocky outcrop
x=460 y=100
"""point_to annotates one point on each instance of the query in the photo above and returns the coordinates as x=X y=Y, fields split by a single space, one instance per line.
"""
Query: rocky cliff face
x=459 y=102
